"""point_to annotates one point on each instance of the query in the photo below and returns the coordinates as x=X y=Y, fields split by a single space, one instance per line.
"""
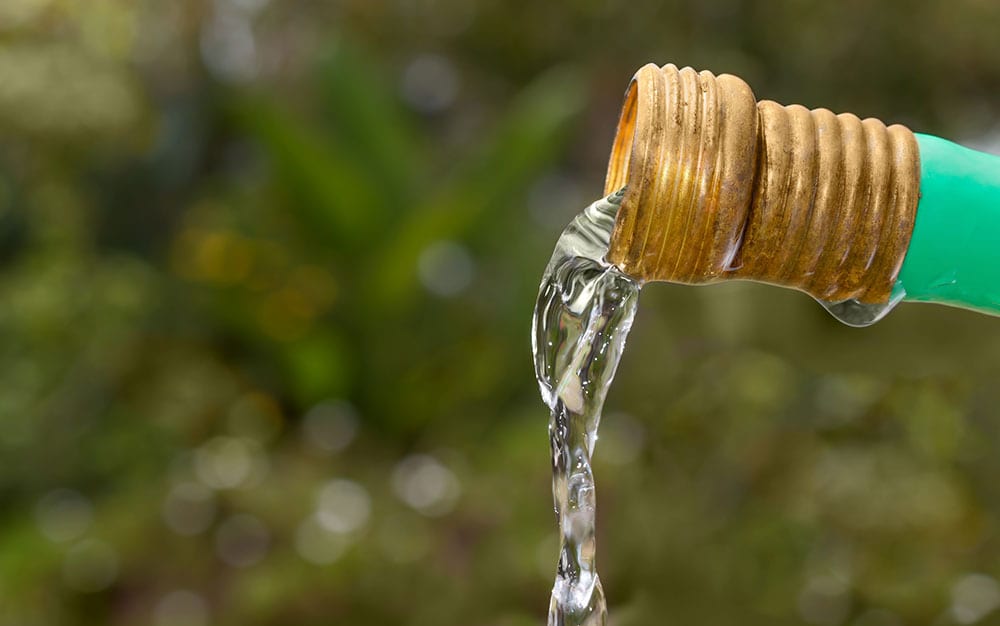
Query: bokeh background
x=266 y=277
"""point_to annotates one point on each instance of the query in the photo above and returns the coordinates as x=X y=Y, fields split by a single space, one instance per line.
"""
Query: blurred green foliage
x=267 y=273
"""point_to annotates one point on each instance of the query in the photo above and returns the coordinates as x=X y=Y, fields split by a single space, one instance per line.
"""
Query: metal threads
x=686 y=148
x=720 y=186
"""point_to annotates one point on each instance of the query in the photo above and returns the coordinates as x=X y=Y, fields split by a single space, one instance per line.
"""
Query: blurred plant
x=264 y=302
x=364 y=202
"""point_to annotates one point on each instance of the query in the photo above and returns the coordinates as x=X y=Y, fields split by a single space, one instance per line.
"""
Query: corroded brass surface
x=721 y=186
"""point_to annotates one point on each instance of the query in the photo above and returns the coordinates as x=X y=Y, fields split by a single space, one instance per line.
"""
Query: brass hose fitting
x=721 y=186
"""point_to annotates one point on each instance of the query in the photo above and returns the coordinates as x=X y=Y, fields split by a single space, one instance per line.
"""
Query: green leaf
x=525 y=142
x=365 y=115
x=332 y=197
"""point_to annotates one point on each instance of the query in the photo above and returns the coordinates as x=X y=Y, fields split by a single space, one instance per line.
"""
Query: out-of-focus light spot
x=554 y=200
x=15 y=13
x=255 y=416
x=422 y=482
x=402 y=542
x=63 y=514
x=316 y=544
x=189 y=509
x=229 y=462
x=824 y=600
x=430 y=83
x=228 y=46
x=868 y=489
x=181 y=608
x=845 y=398
x=974 y=597
x=330 y=425
x=242 y=540
x=249 y=6
x=50 y=87
x=446 y=268
x=213 y=256
x=622 y=439
x=90 y=566
x=343 y=506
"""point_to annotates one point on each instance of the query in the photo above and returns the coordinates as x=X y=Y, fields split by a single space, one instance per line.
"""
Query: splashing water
x=582 y=316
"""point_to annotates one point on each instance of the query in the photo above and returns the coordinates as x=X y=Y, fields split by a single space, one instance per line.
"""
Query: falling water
x=583 y=314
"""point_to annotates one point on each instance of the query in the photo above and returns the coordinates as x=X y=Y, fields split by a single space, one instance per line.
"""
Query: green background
x=266 y=277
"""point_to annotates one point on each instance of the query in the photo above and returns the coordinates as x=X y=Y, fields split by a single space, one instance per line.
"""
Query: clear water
x=582 y=317
x=583 y=314
x=859 y=314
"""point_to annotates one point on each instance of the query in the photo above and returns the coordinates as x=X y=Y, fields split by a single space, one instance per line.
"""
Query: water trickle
x=583 y=314
x=859 y=314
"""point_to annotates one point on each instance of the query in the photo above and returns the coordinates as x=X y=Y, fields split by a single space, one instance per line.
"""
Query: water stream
x=583 y=314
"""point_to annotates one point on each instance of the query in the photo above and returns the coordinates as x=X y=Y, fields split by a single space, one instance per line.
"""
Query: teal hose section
x=954 y=253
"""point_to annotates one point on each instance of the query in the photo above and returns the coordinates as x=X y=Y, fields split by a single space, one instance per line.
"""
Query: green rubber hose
x=954 y=253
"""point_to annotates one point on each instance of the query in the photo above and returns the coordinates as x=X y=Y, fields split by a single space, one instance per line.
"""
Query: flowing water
x=583 y=314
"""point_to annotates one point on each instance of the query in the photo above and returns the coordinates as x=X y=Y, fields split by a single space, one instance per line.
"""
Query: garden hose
x=720 y=186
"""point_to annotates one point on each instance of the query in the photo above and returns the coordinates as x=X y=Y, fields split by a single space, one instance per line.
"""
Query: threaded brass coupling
x=721 y=186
